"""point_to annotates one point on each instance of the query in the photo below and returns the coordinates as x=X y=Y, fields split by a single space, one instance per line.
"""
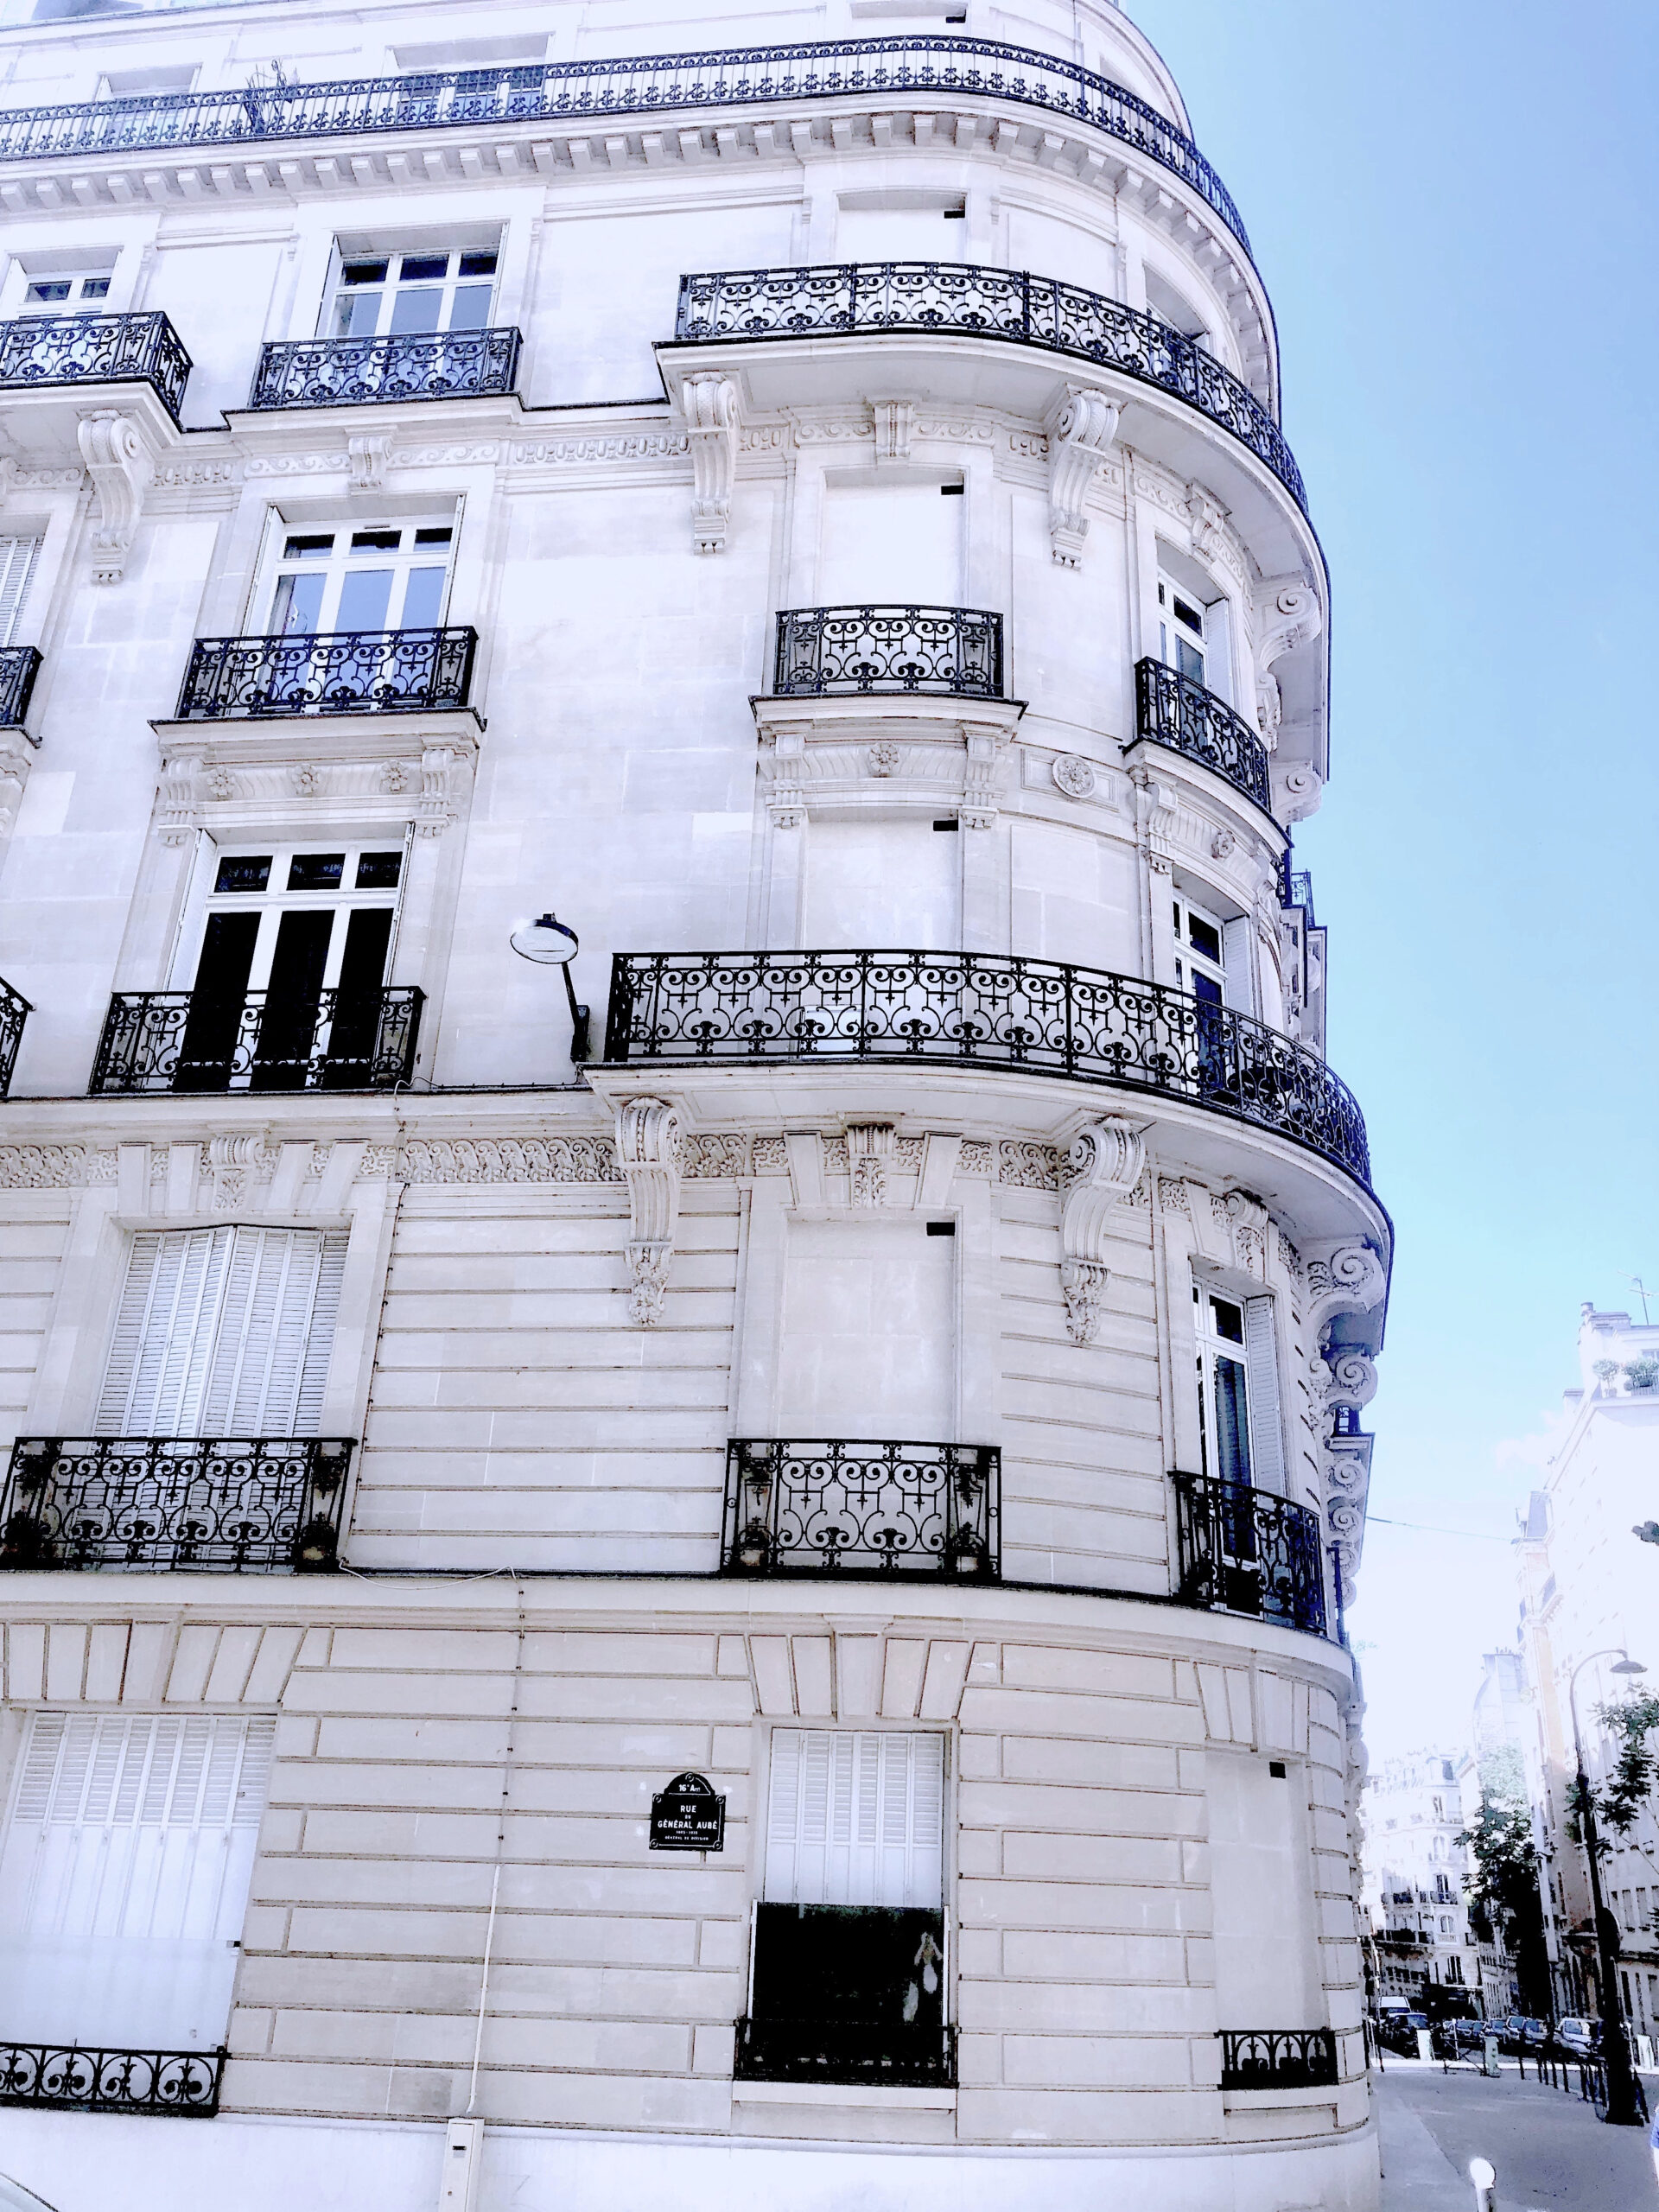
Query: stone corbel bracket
x=368 y=452
x=710 y=405
x=648 y=1153
x=1346 y=1279
x=1080 y=435
x=1104 y=1163
x=122 y=468
x=893 y=420
x=981 y=783
x=1288 y=615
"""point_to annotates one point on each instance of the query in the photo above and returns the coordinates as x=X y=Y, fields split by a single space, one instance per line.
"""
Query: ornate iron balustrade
x=1043 y=1017
x=851 y=1509
x=66 y=349
x=1247 y=1551
x=644 y=85
x=1278 y=2058
x=333 y=672
x=839 y=651
x=339 y=1040
x=15 y=1010
x=19 y=666
x=353 y=371
x=266 y=1505
x=182 y=2082
x=958 y=299
x=1173 y=710
x=846 y=2051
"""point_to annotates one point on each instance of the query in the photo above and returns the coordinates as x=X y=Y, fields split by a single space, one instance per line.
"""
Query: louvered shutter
x=1261 y=1369
x=125 y=1874
x=17 y=559
x=855 y=1817
x=224 y=1332
x=1238 y=978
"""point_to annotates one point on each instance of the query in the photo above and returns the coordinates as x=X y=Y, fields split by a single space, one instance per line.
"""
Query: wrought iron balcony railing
x=263 y=1505
x=611 y=89
x=957 y=299
x=895 y=2052
x=15 y=1010
x=353 y=371
x=182 y=2082
x=1278 y=2058
x=179 y=1040
x=856 y=1508
x=1173 y=710
x=335 y=672
x=1042 y=1017
x=1243 y=1550
x=19 y=666
x=841 y=651
x=82 y=349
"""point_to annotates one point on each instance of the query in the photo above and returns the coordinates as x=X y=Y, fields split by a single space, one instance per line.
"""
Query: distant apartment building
x=1502 y=1730
x=1589 y=1591
x=1414 y=1868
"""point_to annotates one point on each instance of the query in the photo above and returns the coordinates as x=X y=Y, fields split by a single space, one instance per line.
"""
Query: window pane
x=362 y=273
x=471 y=310
x=364 y=595
x=424 y=269
x=1188 y=614
x=244 y=873
x=315 y=871
x=423 y=599
x=376 y=541
x=1232 y=1425
x=1189 y=661
x=1203 y=938
x=1229 y=1320
x=477 y=264
x=416 y=311
x=1207 y=989
x=433 y=537
x=95 y=288
x=356 y=315
x=307 y=549
x=379 y=871
x=298 y=606
x=50 y=291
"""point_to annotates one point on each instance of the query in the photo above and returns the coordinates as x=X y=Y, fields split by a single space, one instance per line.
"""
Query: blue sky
x=1452 y=208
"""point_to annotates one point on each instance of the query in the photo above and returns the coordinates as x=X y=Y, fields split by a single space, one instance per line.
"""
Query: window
x=223 y=1332
x=1239 y=1428
x=849 y=1972
x=1200 y=953
x=124 y=1876
x=378 y=296
x=293 y=923
x=387 y=576
x=17 y=559
x=1180 y=630
x=80 y=291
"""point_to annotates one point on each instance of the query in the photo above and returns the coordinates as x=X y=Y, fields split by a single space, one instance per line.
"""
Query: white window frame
x=19 y=559
x=276 y=900
x=1174 y=632
x=344 y=558
x=78 y=298
x=1192 y=960
x=388 y=290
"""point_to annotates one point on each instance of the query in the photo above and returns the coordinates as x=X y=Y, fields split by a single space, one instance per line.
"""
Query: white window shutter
x=319 y=1342
x=855 y=1817
x=1262 y=1371
x=17 y=559
x=163 y=1334
x=1237 y=965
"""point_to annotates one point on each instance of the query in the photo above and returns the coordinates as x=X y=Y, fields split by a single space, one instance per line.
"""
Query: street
x=1550 y=2150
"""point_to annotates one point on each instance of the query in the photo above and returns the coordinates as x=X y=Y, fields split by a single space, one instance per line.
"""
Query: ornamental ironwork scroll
x=19 y=666
x=1243 y=1550
x=1173 y=710
x=81 y=349
x=408 y=366
x=267 y=1505
x=15 y=1010
x=895 y=2053
x=1278 y=2058
x=980 y=1010
x=861 y=1508
x=333 y=672
x=184 y=1040
x=182 y=2082
x=956 y=299
x=839 y=651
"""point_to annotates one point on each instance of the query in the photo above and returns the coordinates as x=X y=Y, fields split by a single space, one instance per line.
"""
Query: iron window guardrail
x=860 y=1509
x=962 y=299
x=1044 y=1017
x=181 y=2083
x=614 y=88
x=19 y=666
x=886 y=2052
x=15 y=1010
x=850 y=652
x=409 y=366
x=329 y=672
x=1278 y=2058
x=185 y=1042
x=1172 y=709
x=40 y=351
x=267 y=1505
x=1249 y=1551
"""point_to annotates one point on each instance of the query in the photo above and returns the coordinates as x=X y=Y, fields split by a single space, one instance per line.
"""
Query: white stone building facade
x=1415 y=1869
x=912 y=1396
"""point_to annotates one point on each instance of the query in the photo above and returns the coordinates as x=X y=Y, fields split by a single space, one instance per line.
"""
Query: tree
x=1619 y=1804
x=1504 y=1888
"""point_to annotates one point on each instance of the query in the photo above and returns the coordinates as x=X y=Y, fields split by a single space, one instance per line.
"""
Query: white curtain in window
x=855 y=1818
x=1262 y=1371
x=17 y=559
x=224 y=1332
x=124 y=1876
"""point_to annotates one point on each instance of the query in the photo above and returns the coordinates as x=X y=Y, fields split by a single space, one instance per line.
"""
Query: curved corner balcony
x=1173 y=710
x=962 y=299
x=862 y=1510
x=1249 y=1551
x=336 y=672
x=980 y=1010
x=410 y=366
x=48 y=352
x=936 y=66
x=19 y=666
x=838 y=653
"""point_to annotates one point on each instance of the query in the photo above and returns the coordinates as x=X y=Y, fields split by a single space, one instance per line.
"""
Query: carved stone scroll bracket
x=982 y=784
x=648 y=1153
x=894 y=420
x=1344 y=1279
x=367 y=453
x=1079 y=439
x=1105 y=1162
x=179 y=813
x=121 y=467
x=1288 y=615
x=709 y=404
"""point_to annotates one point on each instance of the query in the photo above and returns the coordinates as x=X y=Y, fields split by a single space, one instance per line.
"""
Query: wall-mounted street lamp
x=550 y=944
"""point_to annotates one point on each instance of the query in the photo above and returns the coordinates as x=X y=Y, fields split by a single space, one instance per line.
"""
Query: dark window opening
x=243 y=873
x=846 y=1994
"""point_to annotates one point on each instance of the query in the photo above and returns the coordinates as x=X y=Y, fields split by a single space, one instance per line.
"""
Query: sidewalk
x=1417 y=2176
x=1552 y=2151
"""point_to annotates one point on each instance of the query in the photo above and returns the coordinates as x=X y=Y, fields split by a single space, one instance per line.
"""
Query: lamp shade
x=546 y=940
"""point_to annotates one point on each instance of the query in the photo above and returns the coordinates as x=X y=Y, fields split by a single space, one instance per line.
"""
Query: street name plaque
x=688 y=1817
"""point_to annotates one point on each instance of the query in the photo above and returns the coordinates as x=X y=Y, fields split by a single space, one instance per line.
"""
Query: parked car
x=1398 y=2031
x=1520 y=2033
x=1469 y=2034
x=1580 y=2037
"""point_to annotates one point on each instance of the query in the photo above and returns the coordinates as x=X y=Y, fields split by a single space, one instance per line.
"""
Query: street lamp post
x=1624 y=2108
x=552 y=944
